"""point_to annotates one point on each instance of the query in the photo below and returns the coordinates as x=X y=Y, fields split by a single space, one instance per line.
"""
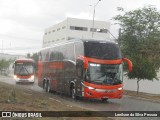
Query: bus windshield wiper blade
x=27 y=70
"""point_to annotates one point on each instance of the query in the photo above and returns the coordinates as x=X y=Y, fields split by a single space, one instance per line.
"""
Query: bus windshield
x=24 y=68
x=102 y=50
x=104 y=74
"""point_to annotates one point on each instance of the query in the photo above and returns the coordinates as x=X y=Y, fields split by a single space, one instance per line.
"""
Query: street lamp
x=93 y=17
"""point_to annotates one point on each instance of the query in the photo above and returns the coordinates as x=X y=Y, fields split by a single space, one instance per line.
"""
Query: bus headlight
x=120 y=88
x=15 y=76
x=32 y=77
x=91 y=88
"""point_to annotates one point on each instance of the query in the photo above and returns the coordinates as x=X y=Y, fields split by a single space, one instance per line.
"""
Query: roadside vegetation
x=139 y=40
x=4 y=66
x=34 y=56
x=16 y=98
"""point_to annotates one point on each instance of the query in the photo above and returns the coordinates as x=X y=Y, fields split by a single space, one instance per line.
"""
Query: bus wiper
x=20 y=70
x=27 y=70
x=98 y=81
x=24 y=69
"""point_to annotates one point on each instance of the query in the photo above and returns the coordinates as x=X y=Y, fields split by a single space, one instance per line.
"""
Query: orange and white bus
x=84 y=68
x=24 y=70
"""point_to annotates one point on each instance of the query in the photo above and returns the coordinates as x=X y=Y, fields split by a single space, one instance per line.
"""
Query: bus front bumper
x=102 y=93
x=30 y=79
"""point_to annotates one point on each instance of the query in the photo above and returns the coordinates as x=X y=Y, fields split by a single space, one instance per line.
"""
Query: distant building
x=75 y=28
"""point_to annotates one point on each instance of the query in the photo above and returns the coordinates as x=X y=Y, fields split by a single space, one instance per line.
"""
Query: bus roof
x=99 y=41
x=80 y=40
x=24 y=60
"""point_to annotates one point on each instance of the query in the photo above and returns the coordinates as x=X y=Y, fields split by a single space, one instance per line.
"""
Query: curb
x=142 y=98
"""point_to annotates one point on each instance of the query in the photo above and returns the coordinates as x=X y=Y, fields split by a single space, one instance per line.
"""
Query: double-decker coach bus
x=84 y=68
x=24 y=70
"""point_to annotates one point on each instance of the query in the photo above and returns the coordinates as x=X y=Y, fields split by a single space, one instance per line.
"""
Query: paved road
x=10 y=80
x=125 y=104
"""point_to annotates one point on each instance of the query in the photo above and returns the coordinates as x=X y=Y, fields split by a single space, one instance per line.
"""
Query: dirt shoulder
x=144 y=96
x=14 y=98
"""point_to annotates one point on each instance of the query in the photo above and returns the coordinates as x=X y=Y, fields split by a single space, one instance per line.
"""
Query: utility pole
x=119 y=36
x=93 y=17
x=111 y=34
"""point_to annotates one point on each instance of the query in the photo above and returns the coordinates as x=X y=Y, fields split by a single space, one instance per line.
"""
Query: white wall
x=57 y=36
x=144 y=85
x=88 y=24
x=51 y=37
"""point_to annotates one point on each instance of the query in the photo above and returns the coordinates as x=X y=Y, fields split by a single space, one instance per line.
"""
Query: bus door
x=60 y=76
x=79 y=48
x=80 y=76
x=69 y=75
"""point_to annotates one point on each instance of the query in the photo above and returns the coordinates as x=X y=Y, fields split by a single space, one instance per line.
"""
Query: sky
x=22 y=22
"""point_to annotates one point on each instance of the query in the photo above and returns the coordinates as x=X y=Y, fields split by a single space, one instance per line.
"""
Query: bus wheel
x=73 y=93
x=104 y=99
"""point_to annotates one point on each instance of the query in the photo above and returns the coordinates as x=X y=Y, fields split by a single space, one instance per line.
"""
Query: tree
x=4 y=64
x=34 y=56
x=28 y=55
x=140 y=41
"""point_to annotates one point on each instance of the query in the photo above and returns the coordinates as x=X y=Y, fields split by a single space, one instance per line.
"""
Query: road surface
x=125 y=104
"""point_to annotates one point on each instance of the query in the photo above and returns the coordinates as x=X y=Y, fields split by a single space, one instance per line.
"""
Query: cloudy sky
x=22 y=22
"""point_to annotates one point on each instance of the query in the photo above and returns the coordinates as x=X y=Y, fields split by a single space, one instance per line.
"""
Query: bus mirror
x=85 y=63
x=129 y=64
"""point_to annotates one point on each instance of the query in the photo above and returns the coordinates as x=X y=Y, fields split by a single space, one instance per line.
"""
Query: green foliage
x=34 y=57
x=142 y=69
x=140 y=40
x=28 y=55
x=4 y=64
